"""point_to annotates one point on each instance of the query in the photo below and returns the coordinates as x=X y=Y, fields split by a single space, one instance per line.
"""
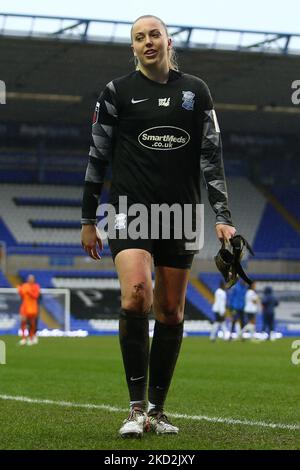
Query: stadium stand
x=41 y=220
x=285 y=240
x=44 y=147
x=244 y=198
x=4 y=281
x=290 y=198
x=48 y=217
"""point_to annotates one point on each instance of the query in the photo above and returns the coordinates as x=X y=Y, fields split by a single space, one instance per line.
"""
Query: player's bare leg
x=169 y=302
x=134 y=271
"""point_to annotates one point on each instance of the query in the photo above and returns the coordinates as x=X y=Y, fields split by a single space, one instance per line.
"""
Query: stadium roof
x=54 y=82
x=91 y=30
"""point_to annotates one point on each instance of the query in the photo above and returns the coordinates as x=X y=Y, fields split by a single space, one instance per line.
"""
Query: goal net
x=54 y=310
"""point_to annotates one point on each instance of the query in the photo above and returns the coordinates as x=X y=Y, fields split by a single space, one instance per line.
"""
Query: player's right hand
x=91 y=241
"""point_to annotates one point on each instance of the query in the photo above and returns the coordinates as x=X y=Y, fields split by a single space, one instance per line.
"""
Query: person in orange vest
x=29 y=292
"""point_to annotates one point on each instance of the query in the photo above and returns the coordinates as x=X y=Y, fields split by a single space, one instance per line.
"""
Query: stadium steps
x=244 y=198
x=202 y=289
x=14 y=280
x=196 y=298
x=279 y=207
x=48 y=319
x=289 y=196
x=4 y=282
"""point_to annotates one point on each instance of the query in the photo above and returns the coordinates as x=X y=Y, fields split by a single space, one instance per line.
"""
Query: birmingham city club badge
x=188 y=100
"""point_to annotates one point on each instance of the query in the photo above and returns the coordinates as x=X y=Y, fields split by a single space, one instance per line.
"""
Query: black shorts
x=250 y=316
x=161 y=250
x=238 y=315
x=167 y=250
x=219 y=318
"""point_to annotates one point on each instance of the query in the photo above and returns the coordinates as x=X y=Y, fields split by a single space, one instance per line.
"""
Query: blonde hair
x=171 y=52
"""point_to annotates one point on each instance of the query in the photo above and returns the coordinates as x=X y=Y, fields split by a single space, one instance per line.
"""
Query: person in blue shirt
x=237 y=305
x=269 y=302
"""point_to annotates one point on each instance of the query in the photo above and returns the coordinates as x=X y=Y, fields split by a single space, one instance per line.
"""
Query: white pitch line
x=245 y=422
x=230 y=421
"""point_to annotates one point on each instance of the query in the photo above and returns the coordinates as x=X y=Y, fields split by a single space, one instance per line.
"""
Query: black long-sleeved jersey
x=157 y=138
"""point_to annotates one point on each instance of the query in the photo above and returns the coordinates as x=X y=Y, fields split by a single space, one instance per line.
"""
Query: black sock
x=163 y=356
x=134 y=342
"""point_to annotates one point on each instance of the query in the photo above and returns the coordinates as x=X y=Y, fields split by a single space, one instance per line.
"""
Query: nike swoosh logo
x=133 y=101
x=133 y=379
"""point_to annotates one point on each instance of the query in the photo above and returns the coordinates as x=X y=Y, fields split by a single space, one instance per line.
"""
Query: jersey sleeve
x=211 y=160
x=105 y=120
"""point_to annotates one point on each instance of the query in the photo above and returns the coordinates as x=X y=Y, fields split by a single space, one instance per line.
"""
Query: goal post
x=55 y=305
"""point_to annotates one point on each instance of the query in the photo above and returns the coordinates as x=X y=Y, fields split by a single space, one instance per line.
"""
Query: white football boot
x=160 y=424
x=135 y=425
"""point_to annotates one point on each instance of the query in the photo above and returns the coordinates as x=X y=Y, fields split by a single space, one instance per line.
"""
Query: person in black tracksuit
x=157 y=129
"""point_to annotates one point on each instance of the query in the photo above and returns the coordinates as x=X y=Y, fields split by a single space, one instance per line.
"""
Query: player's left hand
x=91 y=241
x=225 y=232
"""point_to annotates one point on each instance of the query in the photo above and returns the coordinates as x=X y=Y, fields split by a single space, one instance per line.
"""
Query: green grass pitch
x=248 y=386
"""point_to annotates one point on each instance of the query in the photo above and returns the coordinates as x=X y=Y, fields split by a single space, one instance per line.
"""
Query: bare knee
x=138 y=298
x=169 y=313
